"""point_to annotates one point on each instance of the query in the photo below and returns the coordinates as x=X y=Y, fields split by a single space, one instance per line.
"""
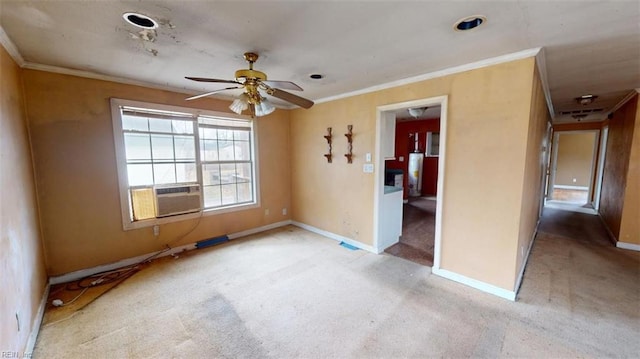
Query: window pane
x=209 y=150
x=243 y=172
x=186 y=172
x=245 y=192
x=139 y=175
x=180 y=126
x=241 y=135
x=242 y=151
x=134 y=123
x=225 y=134
x=137 y=146
x=162 y=146
x=228 y=173
x=158 y=125
x=229 y=194
x=212 y=196
x=185 y=148
x=208 y=133
x=225 y=150
x=211 y=174
x=164 y=173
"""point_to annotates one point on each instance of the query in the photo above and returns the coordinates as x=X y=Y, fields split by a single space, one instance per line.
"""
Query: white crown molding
x=96 y=76
x=11 y=47
x=441 y=73
x=122 y=80
x=541 y=61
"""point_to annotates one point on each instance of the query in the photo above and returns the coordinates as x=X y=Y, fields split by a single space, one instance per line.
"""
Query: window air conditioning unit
x=173 y=200
x=164 y=201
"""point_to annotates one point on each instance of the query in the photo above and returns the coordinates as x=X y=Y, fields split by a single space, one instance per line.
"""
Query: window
x=433 y=144
x=175 y=161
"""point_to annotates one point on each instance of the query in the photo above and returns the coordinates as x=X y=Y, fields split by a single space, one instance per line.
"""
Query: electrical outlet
x=156 y=230
x=266 y=212
x=284 y=211
x=367 y=168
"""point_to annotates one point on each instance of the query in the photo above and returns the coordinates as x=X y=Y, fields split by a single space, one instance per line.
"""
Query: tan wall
x=630 y=223
x=575 y=154
x=22 y=271
x=616 y=165
x=534 y=169
x=488 y=124
x=74 y=155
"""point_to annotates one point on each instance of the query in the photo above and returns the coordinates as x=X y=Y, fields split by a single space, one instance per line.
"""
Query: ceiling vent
x=586 y=111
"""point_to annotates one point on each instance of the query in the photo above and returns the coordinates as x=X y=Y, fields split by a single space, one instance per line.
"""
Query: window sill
x=187 y=216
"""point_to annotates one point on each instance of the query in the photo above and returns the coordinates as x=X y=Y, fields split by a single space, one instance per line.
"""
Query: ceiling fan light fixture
x=264 y=108
x=586 y=99
x=240 y=104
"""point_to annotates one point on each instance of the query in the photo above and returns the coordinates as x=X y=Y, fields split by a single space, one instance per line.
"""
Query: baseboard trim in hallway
x=629 y=246
x=474 y=283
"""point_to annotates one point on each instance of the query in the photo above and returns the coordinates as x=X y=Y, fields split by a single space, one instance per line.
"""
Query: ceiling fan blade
x=288 y=85
x=289 y=97
x=211 y=93
x=204 y=79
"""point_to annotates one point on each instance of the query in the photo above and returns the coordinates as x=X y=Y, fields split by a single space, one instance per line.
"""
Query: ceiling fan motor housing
x=251 y=74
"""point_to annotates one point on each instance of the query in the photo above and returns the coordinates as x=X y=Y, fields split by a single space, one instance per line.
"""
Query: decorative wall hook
x=328 y=138
x=349 y=136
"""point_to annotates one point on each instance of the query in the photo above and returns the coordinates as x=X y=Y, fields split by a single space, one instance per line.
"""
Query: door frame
x=592 y=169
x=604 y=134
x=378 y=188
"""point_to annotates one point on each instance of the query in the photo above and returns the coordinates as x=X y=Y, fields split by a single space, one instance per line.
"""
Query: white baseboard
x=336 y=237
x=474 y=283
x=526 y=259
x=69 y=277
x=251 y=231
x=630 y=246
x=37 y=323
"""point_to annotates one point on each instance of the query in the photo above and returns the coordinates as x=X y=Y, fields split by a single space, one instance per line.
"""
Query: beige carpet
x=289 y=293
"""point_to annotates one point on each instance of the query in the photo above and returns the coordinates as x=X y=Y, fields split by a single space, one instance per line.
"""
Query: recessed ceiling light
x=316 y=76
x=469 y=22
x=139 y=20
x=586 y=99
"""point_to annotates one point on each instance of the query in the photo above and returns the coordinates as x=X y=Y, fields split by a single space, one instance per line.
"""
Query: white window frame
x=121 y=163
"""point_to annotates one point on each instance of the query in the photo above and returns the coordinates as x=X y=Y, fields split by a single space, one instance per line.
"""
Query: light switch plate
x=367 y=168
x=367 y=157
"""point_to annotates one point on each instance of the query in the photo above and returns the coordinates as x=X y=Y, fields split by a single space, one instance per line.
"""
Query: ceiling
x=589 y=46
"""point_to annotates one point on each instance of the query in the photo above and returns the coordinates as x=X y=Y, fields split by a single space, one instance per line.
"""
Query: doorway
x=385 y=131
x=416 y=161
x=573 y=164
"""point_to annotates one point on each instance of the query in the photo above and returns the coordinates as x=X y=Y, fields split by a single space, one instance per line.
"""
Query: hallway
x=575 y=271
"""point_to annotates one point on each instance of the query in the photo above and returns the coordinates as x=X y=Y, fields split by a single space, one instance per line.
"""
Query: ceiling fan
x=253 y=82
